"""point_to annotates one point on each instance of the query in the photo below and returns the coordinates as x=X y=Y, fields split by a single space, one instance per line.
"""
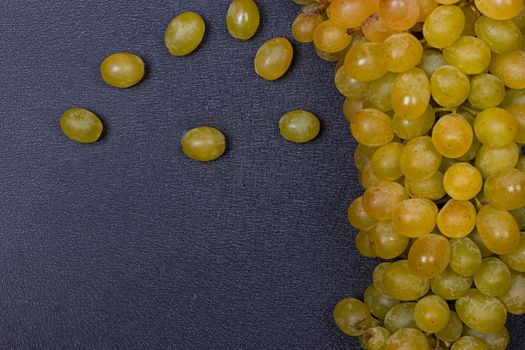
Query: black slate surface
x=126 y=244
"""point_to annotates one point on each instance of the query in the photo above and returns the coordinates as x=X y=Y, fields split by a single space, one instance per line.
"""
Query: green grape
x=274 y=58
x=351 y=107
x=367 y=178
x=513 y=97
x=481 y=312
x=429 y=256
x=204 y=144
x=378 y=303
x=380 y=199
x=420 y=160
x=400 y=282
x=457 y=219
x=450 y=87
x=357 y=216
x=462 y=181
x=486 y=91
x=515 y=259
x=476 y=238
x=470 y=20
x=514 y=298
x=444 y=26
x=350 y=87
x=407 y=129
x=432 y=60
x=242 y=19
x=81 y=125
x=408 y=339
x=372 y=127
x=415 y=217
x=329 y=37
x=506 y=189
x=452 y=136
x=363 y=245
x=365 y=61
x=431 y=188
x=377 y=276
x=495 y=127
x=432 y=314
x=411 y=94
x=500 y=36
x=385 y=161
x=122 y=70
x=510 y=68
x=468 y=343
x=400 y=316
x=375 y=338
x=184 y=34
x=386 y=242
x=518 y=111
x=498 y=229
x=497 y=9
x=304 y=26
x=363 y=155
x=449 y=285
x=493 y=278
x=491 y=161
x=465 y=257
x=379 y=93
x=494 y=341
x=402 y=51
x=299 y=126
x=469 y=54
x=352 y=317
x=453 y=329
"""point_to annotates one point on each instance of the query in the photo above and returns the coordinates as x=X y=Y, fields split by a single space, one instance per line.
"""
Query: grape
x=400 y=282
x=462 y=181
x=453 y=330
x=515 y=259
x=122 y=70
x=377 y=276
x=304 y=26
x=500 y=36
x=452 y=136
x=408 y=339
x=184 y=33
x=469 y=54
x=349 y=13
x=493 y=341
x=380 y=91
x=375 y=30
x=352 y=317
x=411 y=94
x=491 y=161
x=425 y=8
x=510 y=68
x=476 y=238
x=299 y=126
x=431 y=188
x=363 y=245
x=486 y=91
x=365 y=61
x=357 y=216
x=242 y=19
x=372 y=127
x=415 y=217
x=402 y=52
x=351 y=107
x=386 y=242
x=432 y=314
x=450 y=87
x=518 y=111
x=385 y=161
x=380 y=199
x=431 y=61
x=374 y=338
x=363 y=155
x=498 y=9
x=399 y=15
x=495 y=127
x=274 y=58
x=400 y=316
x=408 y=129
x=378 y=303
x=367 y=178
x=329 y=37
x=81 y=125
x=498 y=229
x=420 y=160
x=449 y=285
x=514 y=298
x=506 y=189
x=350 y=87
x=493 y=278
x=204 y=144
x=457 y=219
x=468 y=343
x=444 y=26
x=465 y=257
x=429 y=255
x=481 y=312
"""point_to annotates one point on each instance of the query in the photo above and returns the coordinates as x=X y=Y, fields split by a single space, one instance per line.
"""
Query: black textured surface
x=126 y=244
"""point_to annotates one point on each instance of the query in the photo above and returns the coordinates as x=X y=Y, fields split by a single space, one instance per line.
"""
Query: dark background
x=127 y=244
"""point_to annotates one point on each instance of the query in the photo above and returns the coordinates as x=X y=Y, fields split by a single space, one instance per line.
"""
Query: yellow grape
x=420 y=160
x=495 y=127
x=349 y=13
x=385 y=242
x=465 y=256
x=425 y=8
x=357 y=216
x=449 y=285
x=352 y=317
x=351 y=106
x=498 y=229
x=452 y=135
x=462 y=181
x=349 y=87
x=363 y=245
x=491 y=160
x=510 y=68
x=399 y=15
x=401 y=283
x=274 y=58
x=514 y=298
x=331 y=38
x=481 y=312
x=450 y=87
x=415 y=217
x=486 y=91
x=385 y=161
x=444 y=26
x=304 y=26
x=375 y=30
x=506 y=189
x=493 y=278
x=365 y=61
x=403 y=52
x=457 y=219
x=469 y=54
x=429 y=255
x=408 y=129
x=243 y=19
x=498 y=9
x=372 y=127
x=518 y=111
x=432 y=314
x=411 y=94
x=431 y=188
x=381 y=198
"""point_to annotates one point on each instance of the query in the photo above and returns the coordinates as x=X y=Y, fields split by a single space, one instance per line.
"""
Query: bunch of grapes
x=435 y=97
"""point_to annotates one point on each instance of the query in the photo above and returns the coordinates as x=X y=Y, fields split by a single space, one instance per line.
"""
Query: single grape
x=465 y=257
x=122 y=70
x=81 y=125
x=510 y=68
x=431 y=188
x=304 y=26
x=452 y=136
x=444 y=26
x=403 y=52
x=457 y=219
x=184 y=34
x=329 y=37
x=386 y=243
x=274 y=58
x=469 y=54
x=363 y=245
x=468 y=343
x=408 y=339
x=429 y=255
x=481 y=312
x=515 y=259
x=494 y=341
x=500 y=36
x=399 y=15
x=514 y=298
x=401 y=283
x=385 y=161
x=449 y=285
x=372 y=127
x=450 y=87
x=204 y=144
x=486 y=91
x=498 y=9
x=415 y=217
x=352 y=317
x=411 y=94
x=432 y=314
x=365 y=61
x=495 y=127
x=378 y=303
x=491 y=161
x=374 y=338
x=453 y=329
x=350 y=87
x=493 y=278
x=357 y=216
x=498 y=229
x=462 y=181
x=299 y=126
x=431 y=61
x=400 y=316
x=420 y=160
x=242 y=19
x=349 y=13
x=506 y=189
x=380 y=199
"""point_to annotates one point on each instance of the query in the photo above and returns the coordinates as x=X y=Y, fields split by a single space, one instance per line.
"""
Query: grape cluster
x=435 y=98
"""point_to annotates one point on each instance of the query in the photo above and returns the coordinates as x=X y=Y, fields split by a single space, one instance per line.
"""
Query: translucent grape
x=411 y=94
x=408 y=339
x=457 y=219
x=380 y=199
x=400 y=316
x=304 y=26
x=450 y=285
x=363 y=245
x=462 y=181
x=497 y=9
x=378 y=303
x=431 y=188
x=506 y=189
x=122 y=70
x=515 y=259
x=432 y=60
x=350 y=87
x=299 y=126
x=385 y=161
x=432 y=314
x=379 y=92
x=81 y=125
x=349 y=13
x=372 y=127
x=274 y=58
x=329 y=37
x=450 y=87
x=514 y=298
x=486 y=91
x=444 y=26
x=465 y=257
x=365 y=61
x=495 y=127
x=453 y=329
x=400 y=282
x=420 y=160
x=399 y=15
x=498 y=229
x=415 y=217
x=242 y=19
x=452 y=135
x=481 y=312
x=493 y=278
x=469 y=54
x=184 y=34
x=510 y=68
x=491 y=161
x=352 y=317
x=500 y=36
x=386 y=243
x=408 y=129
x=403 y=52
x=204 y=144
x=429 y=255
